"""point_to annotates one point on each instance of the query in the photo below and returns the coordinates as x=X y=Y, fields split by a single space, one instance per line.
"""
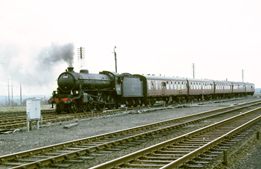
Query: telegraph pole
x=21 y=94
x=8 y=93
x=115 y=56
x=12 y=91
x=242 y=75
x=193 y=71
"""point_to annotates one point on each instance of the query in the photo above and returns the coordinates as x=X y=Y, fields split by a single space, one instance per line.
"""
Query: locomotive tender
x=84 y=91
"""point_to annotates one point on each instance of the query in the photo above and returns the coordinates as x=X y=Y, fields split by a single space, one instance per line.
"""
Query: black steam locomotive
x=84 y=91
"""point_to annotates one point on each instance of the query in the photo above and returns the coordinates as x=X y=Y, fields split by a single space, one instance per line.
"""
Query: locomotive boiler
x=84 y=91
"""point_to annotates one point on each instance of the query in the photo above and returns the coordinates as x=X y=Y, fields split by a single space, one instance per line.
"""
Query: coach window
x=171 y=85
x=156 y=84
x=181 y=85
x=185 y=85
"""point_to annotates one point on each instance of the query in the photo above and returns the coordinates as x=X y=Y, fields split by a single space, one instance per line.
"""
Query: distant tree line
x=17 y=103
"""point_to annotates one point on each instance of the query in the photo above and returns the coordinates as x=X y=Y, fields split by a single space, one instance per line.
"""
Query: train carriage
x=200 y=89
x=168 y=89
x=239 y=89
x=250 y=88
x=223 y=89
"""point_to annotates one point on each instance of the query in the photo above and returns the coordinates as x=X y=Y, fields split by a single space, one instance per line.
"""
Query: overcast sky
x=152 y=37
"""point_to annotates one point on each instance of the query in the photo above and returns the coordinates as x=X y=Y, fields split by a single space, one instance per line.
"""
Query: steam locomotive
x=84 y=91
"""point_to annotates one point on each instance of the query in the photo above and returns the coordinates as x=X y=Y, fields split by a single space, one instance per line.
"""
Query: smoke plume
x=37 y=70
x=55 y=54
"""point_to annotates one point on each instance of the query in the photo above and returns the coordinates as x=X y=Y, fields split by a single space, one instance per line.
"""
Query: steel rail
x=195 y=153
x=108 y=144
x=116 y=163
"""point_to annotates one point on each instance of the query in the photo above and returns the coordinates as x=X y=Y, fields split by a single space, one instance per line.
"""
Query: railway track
x=195 y=149
x=14 y=120
x=20 y=121
x=64 y=154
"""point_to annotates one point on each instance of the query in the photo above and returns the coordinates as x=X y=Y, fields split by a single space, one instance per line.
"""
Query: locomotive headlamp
x=76 y=92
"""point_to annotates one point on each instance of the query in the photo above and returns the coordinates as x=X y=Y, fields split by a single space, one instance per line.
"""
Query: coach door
x=163 y=87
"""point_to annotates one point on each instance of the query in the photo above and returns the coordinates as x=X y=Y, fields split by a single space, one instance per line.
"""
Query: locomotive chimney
x=70 y=69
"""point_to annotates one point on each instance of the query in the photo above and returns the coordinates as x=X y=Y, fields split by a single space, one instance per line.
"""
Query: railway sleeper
x=192 y=166
x=52 y=154
x=61 y=165
x=168 y=155
x=122 y=147
x=85 y=158
x=28 y=160
x=173 y=152
x=199 y=162
x=74 y=161
x=112 y=149
x=96 y=155
x=203 y=158
x=13 y=164
x=163 y=161
x=143 y=165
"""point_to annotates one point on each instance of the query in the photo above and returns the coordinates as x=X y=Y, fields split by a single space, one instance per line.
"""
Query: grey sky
x=152 y=37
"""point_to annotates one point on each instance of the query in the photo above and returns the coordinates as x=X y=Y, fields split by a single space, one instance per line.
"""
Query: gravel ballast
x=56 y=133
